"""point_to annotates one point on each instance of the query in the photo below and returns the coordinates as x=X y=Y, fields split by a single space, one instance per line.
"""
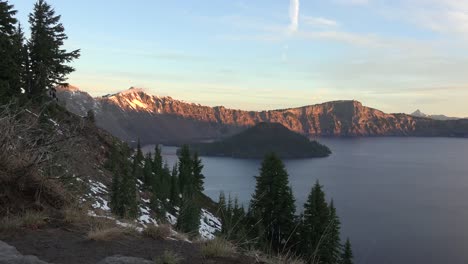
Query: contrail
x=294 y=15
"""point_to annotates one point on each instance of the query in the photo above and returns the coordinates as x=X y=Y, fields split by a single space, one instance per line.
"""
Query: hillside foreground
x=54 y=201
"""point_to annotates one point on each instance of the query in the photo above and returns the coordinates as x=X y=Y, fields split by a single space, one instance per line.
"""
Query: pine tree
x=272 y=204
x=123 y=192
x=188 y=220
x=48 y=58
x=222 y=212
x=149 y=178
x=347 y=255
x=129 y=192
x=198 y=177
x=157 y=161
x=8 y=64
x=138 y=159
x=186 y=183
x=315 y=225
x=20 y=68
x=165 y=183
x=175 y=193
x=332 y=239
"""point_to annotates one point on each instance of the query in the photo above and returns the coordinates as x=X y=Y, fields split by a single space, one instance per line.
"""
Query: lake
x=400 y=200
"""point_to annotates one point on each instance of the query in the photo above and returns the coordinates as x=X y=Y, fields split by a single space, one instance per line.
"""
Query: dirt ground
x=60 y=245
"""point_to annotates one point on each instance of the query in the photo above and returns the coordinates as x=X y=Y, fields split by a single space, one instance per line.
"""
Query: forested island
x=261 y=139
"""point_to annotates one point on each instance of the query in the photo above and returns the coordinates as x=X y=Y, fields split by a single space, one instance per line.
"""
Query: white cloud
x=442 y=16
x=345 y=37
x=353 y=2
x=294 y=15
x=319 y=21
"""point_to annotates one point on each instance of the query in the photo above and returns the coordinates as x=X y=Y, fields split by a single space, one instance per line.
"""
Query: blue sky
x=396 y=55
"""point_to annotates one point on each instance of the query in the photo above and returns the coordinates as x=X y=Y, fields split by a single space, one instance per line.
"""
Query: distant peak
x=418 y=113
x=133 y=90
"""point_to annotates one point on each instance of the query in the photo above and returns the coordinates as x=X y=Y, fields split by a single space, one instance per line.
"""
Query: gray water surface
x=400 y=200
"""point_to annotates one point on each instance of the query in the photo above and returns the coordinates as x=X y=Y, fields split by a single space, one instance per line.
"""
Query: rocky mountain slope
x=135 y=114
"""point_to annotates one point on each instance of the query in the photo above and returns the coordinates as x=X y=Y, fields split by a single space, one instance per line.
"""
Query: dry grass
x=75 y=215
x=218 y=247
x=29 y=219
x=278 y=259
x=33 y=219
x=8 y=224
x=168 y=257
x=158 y=232
x=111 y=234
x=25 y=151
x=180 y=236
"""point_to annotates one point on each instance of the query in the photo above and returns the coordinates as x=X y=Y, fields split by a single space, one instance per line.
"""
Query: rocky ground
x=67 y=246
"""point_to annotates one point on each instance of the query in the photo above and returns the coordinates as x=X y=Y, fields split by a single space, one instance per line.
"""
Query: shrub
x=33 y=219
x=9 y=223
x=278 y=259
x=75 y=215
x=157 y=232
x=218 y=247
x=169 y=257
x=25 y=160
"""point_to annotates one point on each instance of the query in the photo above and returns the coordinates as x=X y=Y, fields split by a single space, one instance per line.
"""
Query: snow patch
x=209 y=225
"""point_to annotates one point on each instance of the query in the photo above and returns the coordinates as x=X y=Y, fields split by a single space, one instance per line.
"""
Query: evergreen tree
x=175 y=193
x=186 y=183
x=188 y=220
x=8 y=74
x=20 y=68
x=116 y=202
x=272 y=204
x=198 y=177
x=123 y=192
x=48 y=58
x=129 y=193
x=315 y=226
x=332 y=239
x=347 y=255
x=149 y=178
x=137 y=169
x=222 y=212
x=165 y=183
x=158 y=161
x=139 y=157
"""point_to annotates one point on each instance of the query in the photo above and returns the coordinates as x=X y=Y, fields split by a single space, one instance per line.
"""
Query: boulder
x=9 y=255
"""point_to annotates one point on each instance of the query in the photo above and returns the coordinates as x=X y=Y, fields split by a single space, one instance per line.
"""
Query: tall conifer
x=347 y=256
x=186 y=183
x=272 y=204
x=49 y=60
x=198 y=177
x=315 y=225
x=8 y=74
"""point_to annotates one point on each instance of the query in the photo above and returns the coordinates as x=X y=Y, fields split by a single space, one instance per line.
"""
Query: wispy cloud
x=294 y=15
x=353 y=2
x=344 y=37
x=319 y=21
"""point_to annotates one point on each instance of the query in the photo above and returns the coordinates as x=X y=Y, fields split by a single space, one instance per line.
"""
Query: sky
x=397 y=56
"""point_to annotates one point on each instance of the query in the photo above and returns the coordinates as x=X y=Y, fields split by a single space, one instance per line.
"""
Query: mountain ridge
x=133 y=114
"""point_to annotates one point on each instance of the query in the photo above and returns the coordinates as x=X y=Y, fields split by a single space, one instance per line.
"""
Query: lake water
x=400 y=200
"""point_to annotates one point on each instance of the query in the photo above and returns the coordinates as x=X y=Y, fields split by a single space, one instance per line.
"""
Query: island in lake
x=261 y=139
